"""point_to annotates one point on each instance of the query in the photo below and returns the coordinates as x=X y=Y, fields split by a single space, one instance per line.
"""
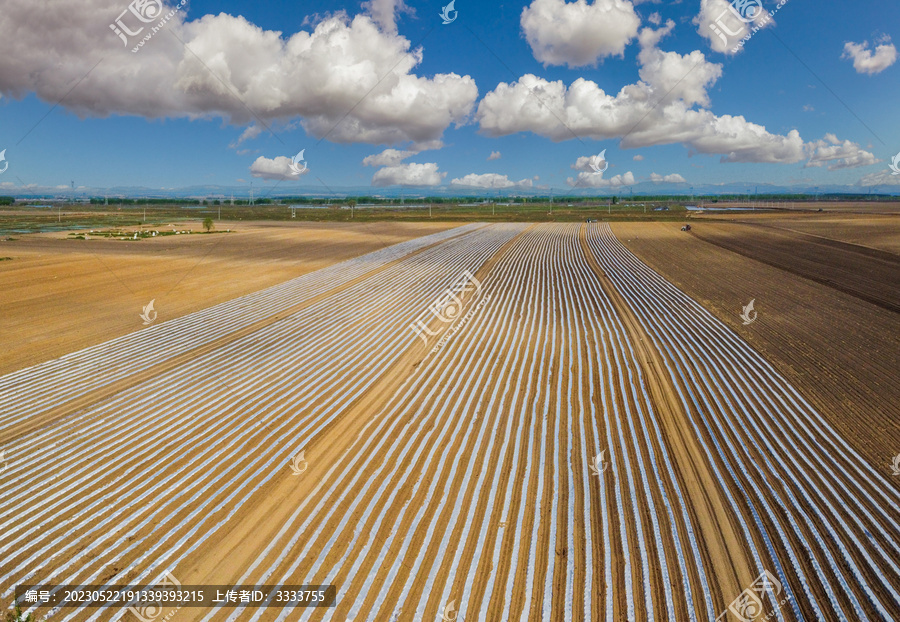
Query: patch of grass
x=18 y=616
x=5 y=258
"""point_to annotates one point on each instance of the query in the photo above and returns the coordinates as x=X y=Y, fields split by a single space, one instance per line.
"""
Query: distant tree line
x=443 y=200
x=122 y=201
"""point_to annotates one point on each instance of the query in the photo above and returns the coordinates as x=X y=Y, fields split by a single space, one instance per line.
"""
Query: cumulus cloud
x=551 y=109
x=279 y=168
x=592 y=180
x=838 y=155
x=638 y=158
x=577 y=33
x=388 y=157
x=384 y=12
x=870 y=62
x=492 y=181
x=673 y=178
x=231 y=67
x=721 y=24
x=590 y=164
x=411 y=174
x=638 y=114
x=495 y=155
x=677 y=77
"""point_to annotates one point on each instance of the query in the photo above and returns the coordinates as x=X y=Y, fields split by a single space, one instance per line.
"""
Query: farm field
x=841 y=351
x=508 y=421
x=60 y=295
x=875 y=231
x=866 y=273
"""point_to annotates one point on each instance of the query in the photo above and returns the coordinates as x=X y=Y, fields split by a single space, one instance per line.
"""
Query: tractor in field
x=686 y=228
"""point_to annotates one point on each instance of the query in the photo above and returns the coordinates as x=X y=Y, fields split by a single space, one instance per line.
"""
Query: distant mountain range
x=643 y=189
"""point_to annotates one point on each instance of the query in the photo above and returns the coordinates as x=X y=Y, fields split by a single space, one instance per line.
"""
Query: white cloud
x=495 y=155
x=384 y=12
x=427 y=145
x=655 y=19
x=388 y=157
x=249 y=133
x=634 y=114
x=592 y=180
x=869 y=62
x=673 y=178
x=551 y=109
x=638 y=158
x=718 y=23
x=239 y=67
x=838 y=155
x=279 y=168
x=589 y=164
x=411 y=174
x=577 y=33
x=491 y=181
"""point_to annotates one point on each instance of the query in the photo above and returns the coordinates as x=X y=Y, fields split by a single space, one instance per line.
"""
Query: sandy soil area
x=60 y=295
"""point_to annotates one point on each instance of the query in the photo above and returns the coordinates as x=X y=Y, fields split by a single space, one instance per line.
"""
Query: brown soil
x=61 y=295
x=841 y=352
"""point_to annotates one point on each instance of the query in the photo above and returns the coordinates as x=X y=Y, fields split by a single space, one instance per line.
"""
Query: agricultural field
x=62 y=294
x=511 y=421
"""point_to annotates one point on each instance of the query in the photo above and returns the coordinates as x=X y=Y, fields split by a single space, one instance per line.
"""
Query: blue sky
x=796 y=74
